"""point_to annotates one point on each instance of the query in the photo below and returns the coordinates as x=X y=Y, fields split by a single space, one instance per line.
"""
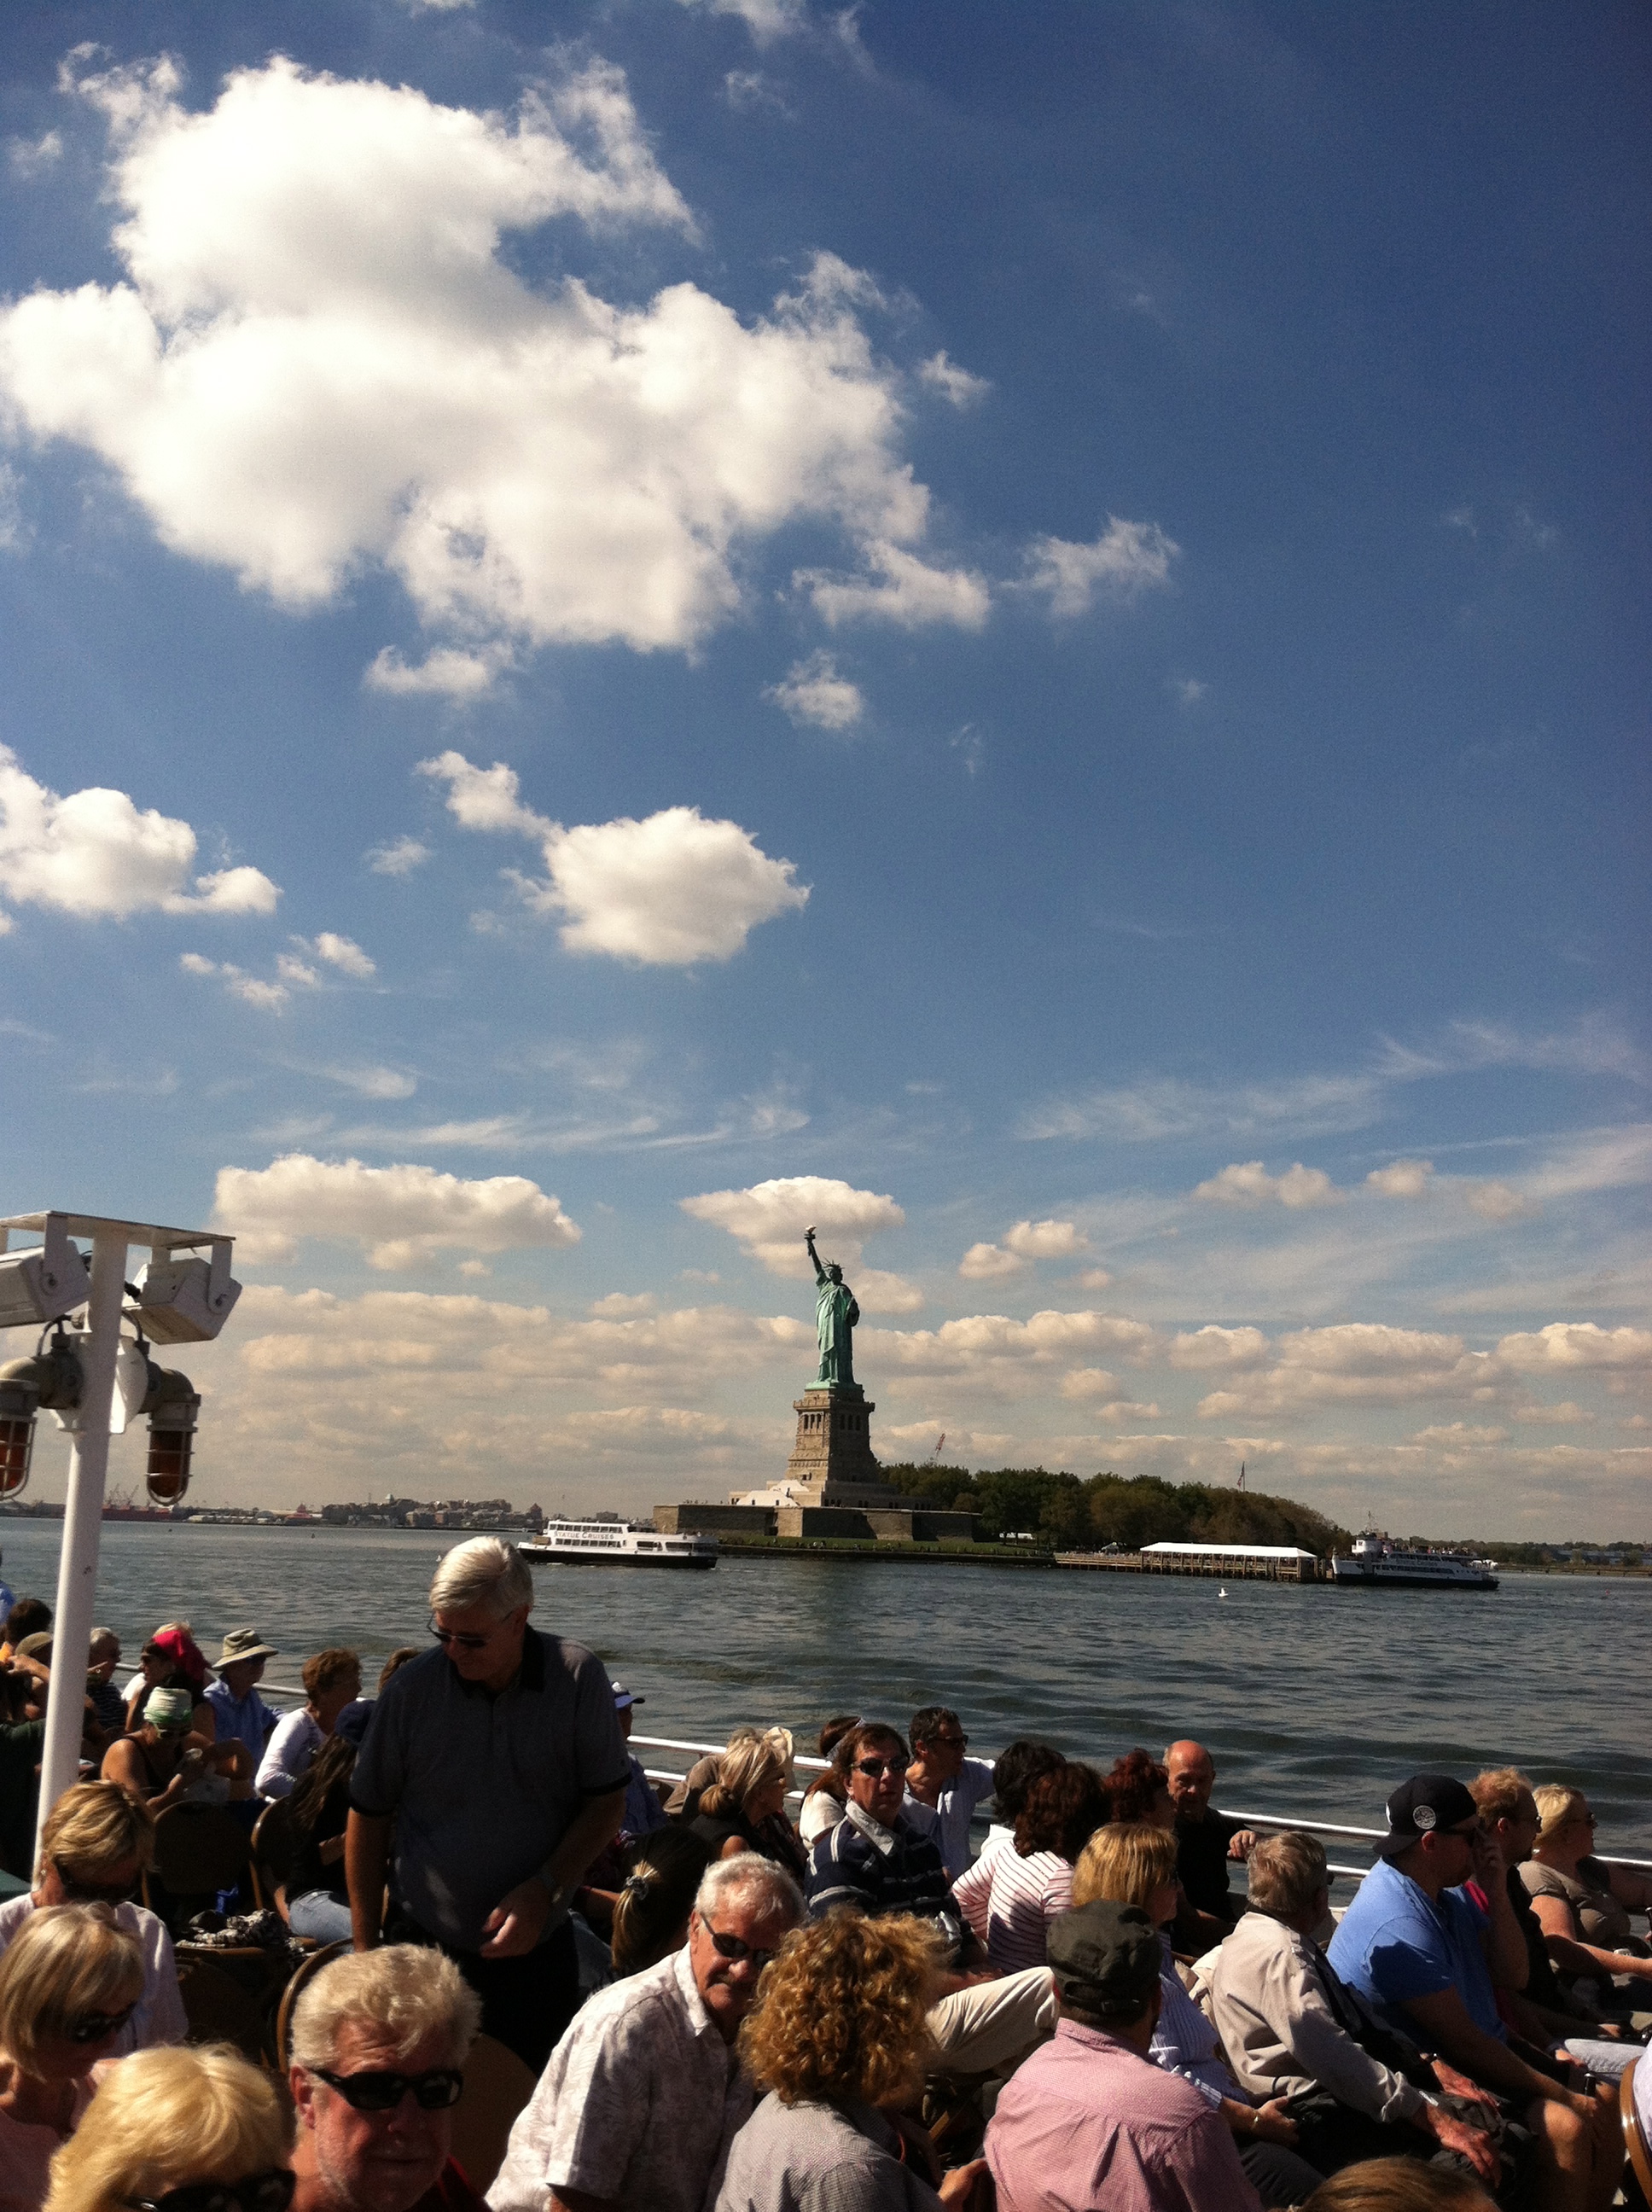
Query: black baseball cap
x=1419 y=1807
x=1106 y=1958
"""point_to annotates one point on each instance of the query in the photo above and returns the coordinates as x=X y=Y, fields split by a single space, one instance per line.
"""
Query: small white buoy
x=1221 y=1592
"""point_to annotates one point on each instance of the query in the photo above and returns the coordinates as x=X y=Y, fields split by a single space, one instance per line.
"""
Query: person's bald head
x=1192 y=1772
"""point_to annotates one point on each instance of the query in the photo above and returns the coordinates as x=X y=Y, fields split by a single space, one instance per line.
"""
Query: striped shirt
x=1184 y=2042
x=876 y=1869
x=1025 y=1896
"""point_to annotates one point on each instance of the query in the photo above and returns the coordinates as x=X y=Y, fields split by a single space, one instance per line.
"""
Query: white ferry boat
x=605 y=1543
x=1378 y=1563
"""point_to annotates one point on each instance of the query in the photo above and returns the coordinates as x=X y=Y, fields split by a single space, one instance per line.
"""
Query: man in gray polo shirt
x=499 y=1762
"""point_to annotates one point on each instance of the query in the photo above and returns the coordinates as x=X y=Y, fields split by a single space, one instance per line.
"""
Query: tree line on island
x=1073 y=1515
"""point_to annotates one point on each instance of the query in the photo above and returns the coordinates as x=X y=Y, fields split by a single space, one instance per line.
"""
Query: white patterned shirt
x=638 y=2103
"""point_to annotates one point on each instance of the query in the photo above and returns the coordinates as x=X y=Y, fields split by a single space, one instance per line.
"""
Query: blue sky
x=1020 y=632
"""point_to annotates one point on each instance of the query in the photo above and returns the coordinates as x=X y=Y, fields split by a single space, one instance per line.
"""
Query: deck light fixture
x=52 y=1378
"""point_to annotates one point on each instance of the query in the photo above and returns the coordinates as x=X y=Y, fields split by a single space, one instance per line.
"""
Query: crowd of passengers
x=727 y=2010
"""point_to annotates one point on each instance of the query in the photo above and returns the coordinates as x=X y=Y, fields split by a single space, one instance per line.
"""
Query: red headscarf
x=184 y=1654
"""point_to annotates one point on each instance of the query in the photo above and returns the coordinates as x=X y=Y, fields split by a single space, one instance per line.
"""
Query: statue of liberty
x=835 y=1315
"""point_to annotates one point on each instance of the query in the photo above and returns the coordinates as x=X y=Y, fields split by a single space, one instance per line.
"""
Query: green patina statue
x=835 y=1315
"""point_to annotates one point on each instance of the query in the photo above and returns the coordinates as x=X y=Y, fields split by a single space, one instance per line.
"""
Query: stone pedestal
x=832 y=1455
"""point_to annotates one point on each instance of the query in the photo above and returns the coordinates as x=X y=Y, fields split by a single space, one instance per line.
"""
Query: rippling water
x=1315 y=1700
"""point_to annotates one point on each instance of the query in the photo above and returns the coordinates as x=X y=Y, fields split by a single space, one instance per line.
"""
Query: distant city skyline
x=629 y=627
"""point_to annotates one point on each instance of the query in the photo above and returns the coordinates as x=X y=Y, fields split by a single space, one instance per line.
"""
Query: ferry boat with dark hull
x=615 y=1543
x=1376 y=1562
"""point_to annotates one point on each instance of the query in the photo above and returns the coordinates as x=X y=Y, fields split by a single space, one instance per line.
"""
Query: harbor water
x=1316 y=1701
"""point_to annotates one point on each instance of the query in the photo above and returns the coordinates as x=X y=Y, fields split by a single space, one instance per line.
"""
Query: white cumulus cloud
x=1047 y=1240
x=1497 y=1201
x=344 y=954
x=399 y=1215
x=319 y=360
x=1127 y=558
x=987 y=1263
x=764 y=19
x=1248 y=1183
x=96 y=853
x=670 y=891
x=398 y=857
x=770 y=1218
x=1401 y=1179
x=903 y=588
x=812 y=690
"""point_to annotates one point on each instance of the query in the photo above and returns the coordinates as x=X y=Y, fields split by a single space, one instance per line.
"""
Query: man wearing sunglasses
x=379 y=2044
x=498 y=1759
x=644 y=2094
x=875 y=1858
x=1429 y=1960
x=943 y=1787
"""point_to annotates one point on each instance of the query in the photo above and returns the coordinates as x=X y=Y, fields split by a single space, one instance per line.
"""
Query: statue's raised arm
x=809 y=1239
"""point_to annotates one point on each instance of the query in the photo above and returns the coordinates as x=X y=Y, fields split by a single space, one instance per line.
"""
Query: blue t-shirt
x=248 y=1719
x=1396 y=1942
x=946 y=1822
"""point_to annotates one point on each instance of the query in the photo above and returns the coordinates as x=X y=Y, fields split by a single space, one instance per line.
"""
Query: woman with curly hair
x=839 y=2038
x=1032 y=1881
x=1138 y=1789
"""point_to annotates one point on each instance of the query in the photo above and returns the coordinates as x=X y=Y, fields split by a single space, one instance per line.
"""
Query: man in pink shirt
x=1088 y=2120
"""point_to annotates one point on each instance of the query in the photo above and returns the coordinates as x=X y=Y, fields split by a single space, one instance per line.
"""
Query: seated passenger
x=1089 y=2120
x=1207 y=1842
x=1136 y=1865
x=97 y=1845
x=838 y=2040
x=1032 y=1883
x=1016 y=1767
x=107 y=1716
x=22 y=1740
x=744 y=1809
x=683 y=1801
x=27 y=1616
x=379 y=2041
x=639 y=2100
x=332 y=1680
x=874 y=1859
x=1138 y=1792
x=652 y=1908
x=1574 y=1895
x=943 y=1786
x=1418 y=1950
x=69 y=1985
x=643 y=1811
x=823 y=1800
x=166 y=1763
x=1545 y=2011
x=172 y=1659
x=1293 y=2031
x=309 y=1841
x=168 y=2120
x=237 y=1708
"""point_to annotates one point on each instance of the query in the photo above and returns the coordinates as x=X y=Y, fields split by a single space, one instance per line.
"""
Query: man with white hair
x=645 y=2092
x=499 y=1760
x=379 y=2044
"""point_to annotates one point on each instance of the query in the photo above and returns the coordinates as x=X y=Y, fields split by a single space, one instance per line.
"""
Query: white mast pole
x=82 y=1526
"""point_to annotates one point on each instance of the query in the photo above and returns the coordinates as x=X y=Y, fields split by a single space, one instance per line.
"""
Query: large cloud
x=770 y=1217
x=320 y=359
x=670 y=891
x=400 y=1215
x=96 y=853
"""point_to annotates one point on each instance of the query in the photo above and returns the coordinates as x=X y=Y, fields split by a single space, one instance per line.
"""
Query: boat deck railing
x=809 y=1764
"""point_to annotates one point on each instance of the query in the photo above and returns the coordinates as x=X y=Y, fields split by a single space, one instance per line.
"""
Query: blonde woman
x=1133 y=1862
x=745 y=1808
x=95 y=1846
x=170 y=2131
x=68 y=1985
x=839 y=2038
x=1573 y=1894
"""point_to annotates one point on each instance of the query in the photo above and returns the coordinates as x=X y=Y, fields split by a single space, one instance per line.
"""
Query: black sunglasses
x=435 y=2092
x=736 y=1948
x=875 y=1769
x=445 y=1635
x=258 y=2193
x=92 y=2026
